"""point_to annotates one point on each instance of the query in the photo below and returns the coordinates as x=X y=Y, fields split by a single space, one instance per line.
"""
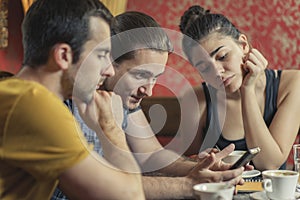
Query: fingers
x=207 y=162
x=260 y=58
x=255 y=62
x=207 y=176
x=104 y=94
x=221 y=166
x=249 y=167
x=225 y=152
x=214 y=150
x=202 y=173
x=252 y=69
x=254 y=65
x=219 y=154
x=233 y=177
x=205 y=153
x=117 y=109
x=105 y=98
x=236 y=181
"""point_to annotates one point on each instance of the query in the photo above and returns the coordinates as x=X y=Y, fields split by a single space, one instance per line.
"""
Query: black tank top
x=272 y=85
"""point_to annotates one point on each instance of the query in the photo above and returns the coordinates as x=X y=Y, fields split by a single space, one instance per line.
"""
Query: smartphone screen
x=247 y=157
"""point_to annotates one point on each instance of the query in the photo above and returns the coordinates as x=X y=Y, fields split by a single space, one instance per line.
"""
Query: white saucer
x=250 y=174
x=263 y=196
x=259 y=195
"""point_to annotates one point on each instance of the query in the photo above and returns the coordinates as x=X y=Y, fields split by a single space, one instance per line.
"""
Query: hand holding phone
x=247 y=157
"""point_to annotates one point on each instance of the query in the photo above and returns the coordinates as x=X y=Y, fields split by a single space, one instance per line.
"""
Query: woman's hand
x=219 y=164
x=254 y=65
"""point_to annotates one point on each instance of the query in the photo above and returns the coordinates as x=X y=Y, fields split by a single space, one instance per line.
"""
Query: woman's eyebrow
x=215 y=51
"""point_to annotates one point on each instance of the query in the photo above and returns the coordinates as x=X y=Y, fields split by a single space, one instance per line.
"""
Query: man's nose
x=147 y=89
x=109 y=72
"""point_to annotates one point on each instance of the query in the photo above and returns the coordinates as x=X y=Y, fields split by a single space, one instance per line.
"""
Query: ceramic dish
x=263 y=196
x=251 y=174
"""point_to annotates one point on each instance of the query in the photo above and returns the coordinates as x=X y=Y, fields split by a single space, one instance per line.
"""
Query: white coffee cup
x=213 y=191
x=233 y=156
x=280 y=184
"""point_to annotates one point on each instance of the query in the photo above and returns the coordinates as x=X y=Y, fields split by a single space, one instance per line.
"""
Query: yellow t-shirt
x=39 y=139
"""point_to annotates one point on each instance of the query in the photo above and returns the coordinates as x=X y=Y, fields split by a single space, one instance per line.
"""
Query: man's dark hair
x=132 y=31
x=49 y=22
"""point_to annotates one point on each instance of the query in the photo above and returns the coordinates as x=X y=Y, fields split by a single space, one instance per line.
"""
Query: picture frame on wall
x=3 y=23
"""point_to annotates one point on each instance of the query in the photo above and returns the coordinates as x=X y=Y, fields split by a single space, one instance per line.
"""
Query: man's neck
x=49 y=79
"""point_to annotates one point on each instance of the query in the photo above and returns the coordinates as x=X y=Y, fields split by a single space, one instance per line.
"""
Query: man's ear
x=244 y=43
x=63 y=56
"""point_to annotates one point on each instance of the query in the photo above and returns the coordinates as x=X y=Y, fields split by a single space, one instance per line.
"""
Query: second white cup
x=280 y=184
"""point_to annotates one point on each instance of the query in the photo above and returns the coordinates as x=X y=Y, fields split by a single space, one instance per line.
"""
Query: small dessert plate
x=250 y=174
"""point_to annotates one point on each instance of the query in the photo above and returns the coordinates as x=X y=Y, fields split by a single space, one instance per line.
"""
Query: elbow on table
x=269 y=165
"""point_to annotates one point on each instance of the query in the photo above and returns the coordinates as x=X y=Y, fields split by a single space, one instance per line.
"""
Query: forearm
x=181 y=167
x=94 y=178
x=116 y=150
x=167 y=187
x=173 y=164
x=258 y=134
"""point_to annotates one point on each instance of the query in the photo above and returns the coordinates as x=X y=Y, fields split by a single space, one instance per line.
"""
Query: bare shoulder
x=289 y=84
x=290 y=79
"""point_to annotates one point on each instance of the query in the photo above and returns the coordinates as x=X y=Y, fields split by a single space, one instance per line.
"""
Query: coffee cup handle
x=267 y=185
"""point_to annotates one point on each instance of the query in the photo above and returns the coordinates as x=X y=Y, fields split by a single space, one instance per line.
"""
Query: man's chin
x=133 y=105
x=83 y=97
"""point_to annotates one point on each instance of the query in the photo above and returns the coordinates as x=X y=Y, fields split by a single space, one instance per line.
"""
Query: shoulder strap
x=272 y=85
x=208 y=108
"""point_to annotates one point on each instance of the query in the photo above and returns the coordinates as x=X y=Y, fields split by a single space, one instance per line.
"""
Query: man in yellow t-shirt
x=66 y=53
x=38 y=142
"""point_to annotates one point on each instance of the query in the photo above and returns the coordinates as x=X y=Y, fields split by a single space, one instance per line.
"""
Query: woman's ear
x=244 y=43
x=62 y=55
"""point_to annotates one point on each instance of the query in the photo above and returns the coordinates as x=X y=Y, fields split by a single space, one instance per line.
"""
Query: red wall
x=272 y=26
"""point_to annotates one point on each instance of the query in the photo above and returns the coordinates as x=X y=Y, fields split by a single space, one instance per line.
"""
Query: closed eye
x=102 y=54
x=142 y=75
x=221 y=58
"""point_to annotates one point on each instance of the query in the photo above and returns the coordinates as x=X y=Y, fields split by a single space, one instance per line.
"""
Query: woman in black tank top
x=241 y=101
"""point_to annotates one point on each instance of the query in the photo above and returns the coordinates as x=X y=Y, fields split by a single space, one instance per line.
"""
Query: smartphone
x=247 y=157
